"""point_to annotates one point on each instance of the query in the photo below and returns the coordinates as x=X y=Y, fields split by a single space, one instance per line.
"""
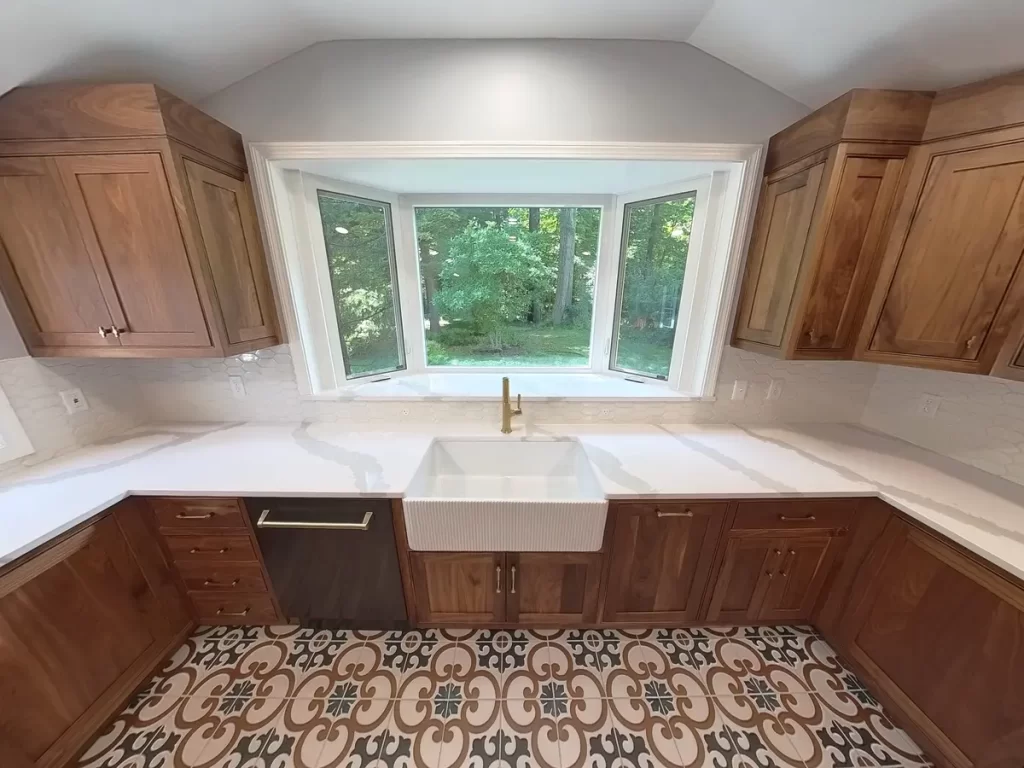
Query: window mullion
x=604 y=288
x=411 y=306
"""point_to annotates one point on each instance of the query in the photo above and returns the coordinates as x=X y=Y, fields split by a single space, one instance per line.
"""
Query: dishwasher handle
x=264 y=521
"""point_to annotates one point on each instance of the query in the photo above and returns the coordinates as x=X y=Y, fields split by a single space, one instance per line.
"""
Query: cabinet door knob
x=972 y=341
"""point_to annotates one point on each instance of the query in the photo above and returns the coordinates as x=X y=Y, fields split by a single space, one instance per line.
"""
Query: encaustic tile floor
x=756 y=697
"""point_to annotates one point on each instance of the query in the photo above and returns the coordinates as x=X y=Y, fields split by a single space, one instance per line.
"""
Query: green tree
x=488 y=280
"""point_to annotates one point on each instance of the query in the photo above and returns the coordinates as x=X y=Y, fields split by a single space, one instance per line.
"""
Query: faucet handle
x=519 y=403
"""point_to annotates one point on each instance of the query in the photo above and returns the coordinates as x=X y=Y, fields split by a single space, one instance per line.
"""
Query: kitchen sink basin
x=505 y=495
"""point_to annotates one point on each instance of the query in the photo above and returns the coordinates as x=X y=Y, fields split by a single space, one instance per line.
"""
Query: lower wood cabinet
x=939 y=637
x=486 y=588
x=661 y=555
x=82 y=624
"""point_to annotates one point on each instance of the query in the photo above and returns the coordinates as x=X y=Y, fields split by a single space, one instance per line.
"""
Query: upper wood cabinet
x=127 y=228
x=820 y=224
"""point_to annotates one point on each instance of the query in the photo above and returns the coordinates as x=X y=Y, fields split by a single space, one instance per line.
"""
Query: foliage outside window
x=360 y=258
x=655 y=244
x=508 y=286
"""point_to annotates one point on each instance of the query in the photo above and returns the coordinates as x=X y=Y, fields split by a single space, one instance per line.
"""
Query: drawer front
x=175 y=514
x=194 y=548
x=222 y=577
x=796 y=514
x=672 y=508
x=234 y=609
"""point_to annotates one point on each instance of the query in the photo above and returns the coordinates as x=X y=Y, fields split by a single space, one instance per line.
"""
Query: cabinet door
x=776 y=253
x=48 y=277
x=81 y=625
x=124 y=210
x=465 y=588
x=234 y=251
x=950 y=269
x=940 y=635
x=848 y=257
x=800 y=574
x=747 y=570
x=661 y=560
x=553 y=588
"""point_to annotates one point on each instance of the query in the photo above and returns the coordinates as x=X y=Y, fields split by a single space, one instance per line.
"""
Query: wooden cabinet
x=938 y=637
x=126 y=227
x=821 y=222
x=527 y=588
x=950 y=284
x=82 y=624
x=661 y=559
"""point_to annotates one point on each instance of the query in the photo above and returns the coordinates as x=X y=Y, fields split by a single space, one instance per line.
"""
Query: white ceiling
x=811 y=50
x=592 y=177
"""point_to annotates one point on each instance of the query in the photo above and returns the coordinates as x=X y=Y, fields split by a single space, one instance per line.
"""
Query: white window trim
x=731 y=194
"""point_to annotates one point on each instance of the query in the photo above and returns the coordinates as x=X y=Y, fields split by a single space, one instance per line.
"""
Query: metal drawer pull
x=497 y=577
x=512 y=588
x=685 y=513
x=103 y=332
x=117 y=331
x=212 y=583
x=222 y=612
x=789 y=519
x=200 y=551
x=790 y=554
x=204 y=516
x=263 y=522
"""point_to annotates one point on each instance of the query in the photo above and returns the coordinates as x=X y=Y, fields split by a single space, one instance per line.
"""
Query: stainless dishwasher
x=332 y=562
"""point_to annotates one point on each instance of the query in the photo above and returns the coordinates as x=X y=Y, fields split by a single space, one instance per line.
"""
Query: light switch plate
x=74 y=400
x=237 y=384
x=775 y=389
x=928 y=405
x=739 y=390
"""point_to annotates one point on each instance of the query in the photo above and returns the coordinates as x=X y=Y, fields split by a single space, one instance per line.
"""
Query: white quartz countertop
x=983 y=512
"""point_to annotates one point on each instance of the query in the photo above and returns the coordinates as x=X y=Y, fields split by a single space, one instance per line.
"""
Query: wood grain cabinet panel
x=949 y=289
x=558 y=588
x=941 y=638
x=744 y=577
x=81 y=625
x=459 y=587
x=661 y=560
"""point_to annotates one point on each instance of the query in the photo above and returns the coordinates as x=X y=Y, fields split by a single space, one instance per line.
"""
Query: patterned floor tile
x=684 y=732
x=146 y=735
x=530 y=722
x=585 y=734
x=660 y=663
x=577 y=667
x=359 y=670
x=334 y=731
x=236 y=730
x=526 y=669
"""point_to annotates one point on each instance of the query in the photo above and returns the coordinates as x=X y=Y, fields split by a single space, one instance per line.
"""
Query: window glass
x=656 y=238
x=508 y=286
x=360 y=260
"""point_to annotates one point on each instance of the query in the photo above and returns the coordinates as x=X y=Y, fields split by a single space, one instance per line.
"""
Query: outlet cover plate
x=74 y=400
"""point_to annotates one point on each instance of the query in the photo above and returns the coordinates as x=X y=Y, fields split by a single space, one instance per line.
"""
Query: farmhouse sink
x=505 y=495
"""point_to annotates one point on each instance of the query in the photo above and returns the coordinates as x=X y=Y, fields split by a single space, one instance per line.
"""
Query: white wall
x=503 y=90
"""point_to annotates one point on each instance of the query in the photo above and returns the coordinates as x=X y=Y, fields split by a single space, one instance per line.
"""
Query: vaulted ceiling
x=811 y=50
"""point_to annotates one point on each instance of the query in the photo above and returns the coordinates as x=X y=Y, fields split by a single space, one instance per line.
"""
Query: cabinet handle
x=199 y=551
x=791 y=519
x=265 y=522
x=497 y=578
x=813 y=336
x=204 y=516
x=222 y=612
x=972 y=341
x=789 y=558
x=212 y=583
x=774 y=553
x=104 y=332
x=117 y=331
x=685 y=513
x=512 y=587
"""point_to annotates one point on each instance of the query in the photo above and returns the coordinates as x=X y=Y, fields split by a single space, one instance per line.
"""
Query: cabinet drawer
x=174 y=514
x=222 y=577
x=790 y=514
x=193 y=548
x=234 y=609
x=672 y=508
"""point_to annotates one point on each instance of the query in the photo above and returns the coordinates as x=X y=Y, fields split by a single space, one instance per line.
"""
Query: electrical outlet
x=775 y=389
x=928 y=405
x=237 y=384
x=739 y=390
x=74 y=401
x=606 y=413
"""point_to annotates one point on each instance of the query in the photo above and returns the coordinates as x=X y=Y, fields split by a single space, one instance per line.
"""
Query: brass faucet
x=507 y=411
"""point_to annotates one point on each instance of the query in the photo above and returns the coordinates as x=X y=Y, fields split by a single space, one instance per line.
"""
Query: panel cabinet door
x=776 y=253
x=234 y=251
x=81 y=625
x=553 y=588
x=799 y=575
x=847 y=259
x=124 y=210
x=661 y=560
x=459 y=587
x=951 y=269
x=46 y=271
x=941 y=636
x=748 y=567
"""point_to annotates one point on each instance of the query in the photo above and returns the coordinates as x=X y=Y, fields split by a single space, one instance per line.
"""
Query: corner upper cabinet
x=821 y=221
x=127 y=227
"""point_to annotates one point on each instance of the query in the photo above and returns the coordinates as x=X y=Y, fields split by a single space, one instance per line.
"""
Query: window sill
x=487 y=386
